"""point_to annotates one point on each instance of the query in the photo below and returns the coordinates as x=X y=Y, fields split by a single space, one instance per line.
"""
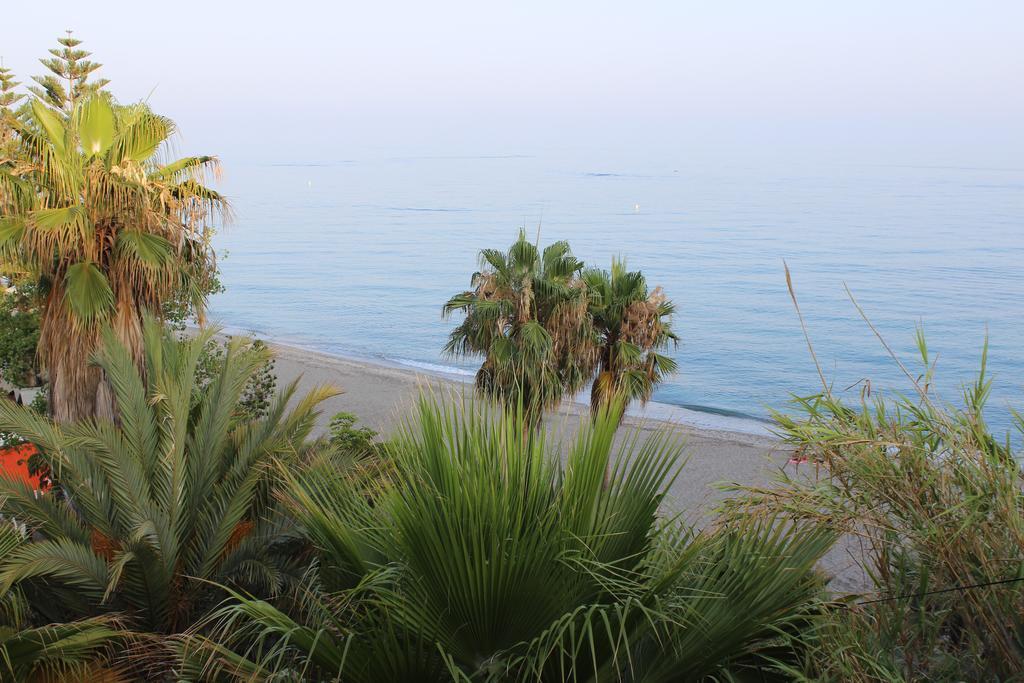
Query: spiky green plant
x=109 y=231
x=526 y=315
x=632 y=324
x=81 y=650
x=484 y=558
x=157 y=507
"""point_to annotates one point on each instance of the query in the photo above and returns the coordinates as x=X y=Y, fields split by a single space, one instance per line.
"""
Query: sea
x=356 y=258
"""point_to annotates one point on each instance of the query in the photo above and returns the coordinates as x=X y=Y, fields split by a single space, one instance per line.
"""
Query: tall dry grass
x=935 y=500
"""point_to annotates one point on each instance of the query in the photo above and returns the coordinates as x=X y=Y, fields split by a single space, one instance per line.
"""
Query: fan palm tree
x=632 y=324
x=526 y=314
x=110 y=232
x=485 y=559
x=155 y=508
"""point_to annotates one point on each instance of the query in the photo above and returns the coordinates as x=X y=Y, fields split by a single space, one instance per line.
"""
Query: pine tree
x=68 y=81
x=8 y=99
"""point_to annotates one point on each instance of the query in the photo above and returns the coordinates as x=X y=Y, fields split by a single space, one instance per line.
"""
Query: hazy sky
x=937 y=81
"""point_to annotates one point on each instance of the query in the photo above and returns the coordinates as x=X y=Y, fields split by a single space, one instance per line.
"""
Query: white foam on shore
x=654 y=410
x=666 y=412
x=433 y=368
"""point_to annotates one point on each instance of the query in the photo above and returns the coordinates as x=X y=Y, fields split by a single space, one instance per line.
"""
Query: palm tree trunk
x=78 y=389
x=64 y=353
x=74 y=390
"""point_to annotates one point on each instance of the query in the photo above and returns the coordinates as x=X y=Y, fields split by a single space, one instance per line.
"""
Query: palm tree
x=484 y=558
x=155 y=508
x=81 y=650
x=526 y=314
x=632 y=325
x=110 y=232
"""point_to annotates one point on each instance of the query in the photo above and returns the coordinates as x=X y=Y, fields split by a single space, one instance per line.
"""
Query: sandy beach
x=382 y=396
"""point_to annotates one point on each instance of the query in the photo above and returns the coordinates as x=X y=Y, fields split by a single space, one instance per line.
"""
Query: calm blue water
x=356 y=258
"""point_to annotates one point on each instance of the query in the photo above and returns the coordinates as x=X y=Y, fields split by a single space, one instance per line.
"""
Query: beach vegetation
x=156 y=512
x=344 y=435
x=527 y=316
x=19 y=336
x=110 y=231
x=934 y=503
x=261 y=386
x=633 y=325
x=483 y=557
x=194 y=528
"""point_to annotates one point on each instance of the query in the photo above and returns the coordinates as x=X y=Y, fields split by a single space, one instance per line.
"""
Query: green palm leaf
x=140 y=136
x=87 y=293
x=95 y=123
x=153 y=251
x=51 y=125
x=170 y=501
x=11 y=230
x=484 y=558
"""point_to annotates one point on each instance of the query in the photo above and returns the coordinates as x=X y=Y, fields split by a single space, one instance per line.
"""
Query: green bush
x=19 y=336
x=260 y=386
x=345 y=436
x=935 y=502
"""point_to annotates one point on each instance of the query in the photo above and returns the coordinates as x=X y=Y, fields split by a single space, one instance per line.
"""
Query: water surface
x=357 y=257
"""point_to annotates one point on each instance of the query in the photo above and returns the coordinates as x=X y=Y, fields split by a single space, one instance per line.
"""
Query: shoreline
x=684 y=420
x=711 y=424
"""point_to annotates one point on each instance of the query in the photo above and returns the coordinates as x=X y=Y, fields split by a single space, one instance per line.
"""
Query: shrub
x=19 y=335
x=935 y=501
x=259 y=388
x=345 y=436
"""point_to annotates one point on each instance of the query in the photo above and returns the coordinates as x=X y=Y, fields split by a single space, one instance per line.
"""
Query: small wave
x=299 y=164
x=425 y=208
x=433 y=367
x=703 y=418
x=461 y=157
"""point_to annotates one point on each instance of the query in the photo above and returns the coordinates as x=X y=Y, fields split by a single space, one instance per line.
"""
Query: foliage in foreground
x=937 y=503
x=159 y=508
x=482 y=557
x=81 y=650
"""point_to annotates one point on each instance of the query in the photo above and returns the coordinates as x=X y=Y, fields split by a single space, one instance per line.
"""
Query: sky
x=935 y=81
